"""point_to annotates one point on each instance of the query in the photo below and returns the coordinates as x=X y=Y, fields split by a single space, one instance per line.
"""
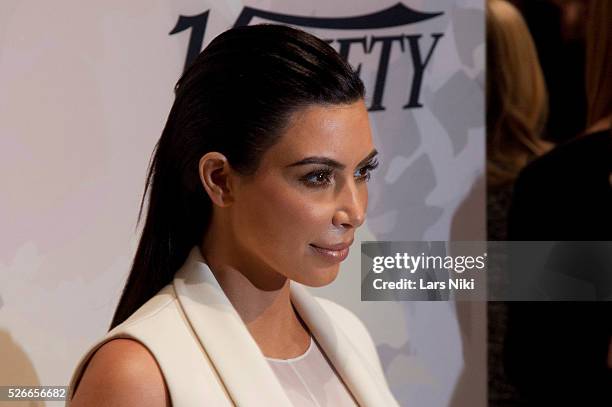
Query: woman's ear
x=216 y=177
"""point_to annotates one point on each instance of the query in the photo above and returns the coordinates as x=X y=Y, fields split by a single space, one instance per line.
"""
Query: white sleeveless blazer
x=208 y=357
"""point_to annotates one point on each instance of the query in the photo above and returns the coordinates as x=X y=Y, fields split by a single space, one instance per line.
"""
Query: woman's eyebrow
x=372 y=154
x=331 y=162
x=318 y=160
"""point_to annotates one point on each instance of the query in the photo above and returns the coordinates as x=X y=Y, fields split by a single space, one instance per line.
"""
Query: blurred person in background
x=559 y=353
x=517 y=108
x=560 y=43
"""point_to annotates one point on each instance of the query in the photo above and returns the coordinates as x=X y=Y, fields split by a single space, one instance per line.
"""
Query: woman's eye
x=318 y=178
x=364 y=173
x=324 y=177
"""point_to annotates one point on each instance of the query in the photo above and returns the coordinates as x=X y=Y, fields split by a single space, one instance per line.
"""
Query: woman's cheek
x=313 y=215
x=281 y=218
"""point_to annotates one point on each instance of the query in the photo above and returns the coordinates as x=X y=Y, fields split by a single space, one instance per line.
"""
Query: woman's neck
x=261 y=297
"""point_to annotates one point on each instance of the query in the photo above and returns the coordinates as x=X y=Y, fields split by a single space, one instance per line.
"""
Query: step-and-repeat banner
x=85 y=89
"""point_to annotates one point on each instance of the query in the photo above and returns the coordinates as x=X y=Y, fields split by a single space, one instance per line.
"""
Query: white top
x=310 y=380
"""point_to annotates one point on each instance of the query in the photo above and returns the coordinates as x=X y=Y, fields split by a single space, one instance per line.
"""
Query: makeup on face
x=298 y=214
x=326 y=169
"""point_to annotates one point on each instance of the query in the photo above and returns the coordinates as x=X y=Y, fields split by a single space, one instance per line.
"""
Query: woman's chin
x=318 y=277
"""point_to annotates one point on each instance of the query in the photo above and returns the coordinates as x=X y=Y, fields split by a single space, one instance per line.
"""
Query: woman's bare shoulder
x=122 y=372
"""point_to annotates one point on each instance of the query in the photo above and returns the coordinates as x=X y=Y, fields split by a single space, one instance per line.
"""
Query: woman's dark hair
x=236 y=98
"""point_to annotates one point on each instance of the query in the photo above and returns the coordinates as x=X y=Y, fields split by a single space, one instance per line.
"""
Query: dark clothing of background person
x=556 y=352
x=501 y=391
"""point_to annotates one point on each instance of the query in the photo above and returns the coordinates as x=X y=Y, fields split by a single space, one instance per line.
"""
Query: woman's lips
x=336 y=253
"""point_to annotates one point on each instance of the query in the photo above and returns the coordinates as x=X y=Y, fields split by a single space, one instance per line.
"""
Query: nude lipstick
x=335 y=253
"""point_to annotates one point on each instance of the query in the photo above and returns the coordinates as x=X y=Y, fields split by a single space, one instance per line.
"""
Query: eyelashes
x=325 y=176
x=366 y=170
x=318 y=178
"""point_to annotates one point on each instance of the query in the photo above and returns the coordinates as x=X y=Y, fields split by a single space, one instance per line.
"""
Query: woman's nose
x=352 y=204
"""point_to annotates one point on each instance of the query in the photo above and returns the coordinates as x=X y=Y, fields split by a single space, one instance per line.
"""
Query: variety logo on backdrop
x=420 y=47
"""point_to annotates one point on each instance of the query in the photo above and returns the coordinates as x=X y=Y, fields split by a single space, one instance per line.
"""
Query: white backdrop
x=85 y=89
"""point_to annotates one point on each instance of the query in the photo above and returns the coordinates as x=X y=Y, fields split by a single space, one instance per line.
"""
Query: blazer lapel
x=241 y=366
x=338 y=348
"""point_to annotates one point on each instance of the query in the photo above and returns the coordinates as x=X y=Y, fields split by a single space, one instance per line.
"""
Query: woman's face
x=297 y=215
